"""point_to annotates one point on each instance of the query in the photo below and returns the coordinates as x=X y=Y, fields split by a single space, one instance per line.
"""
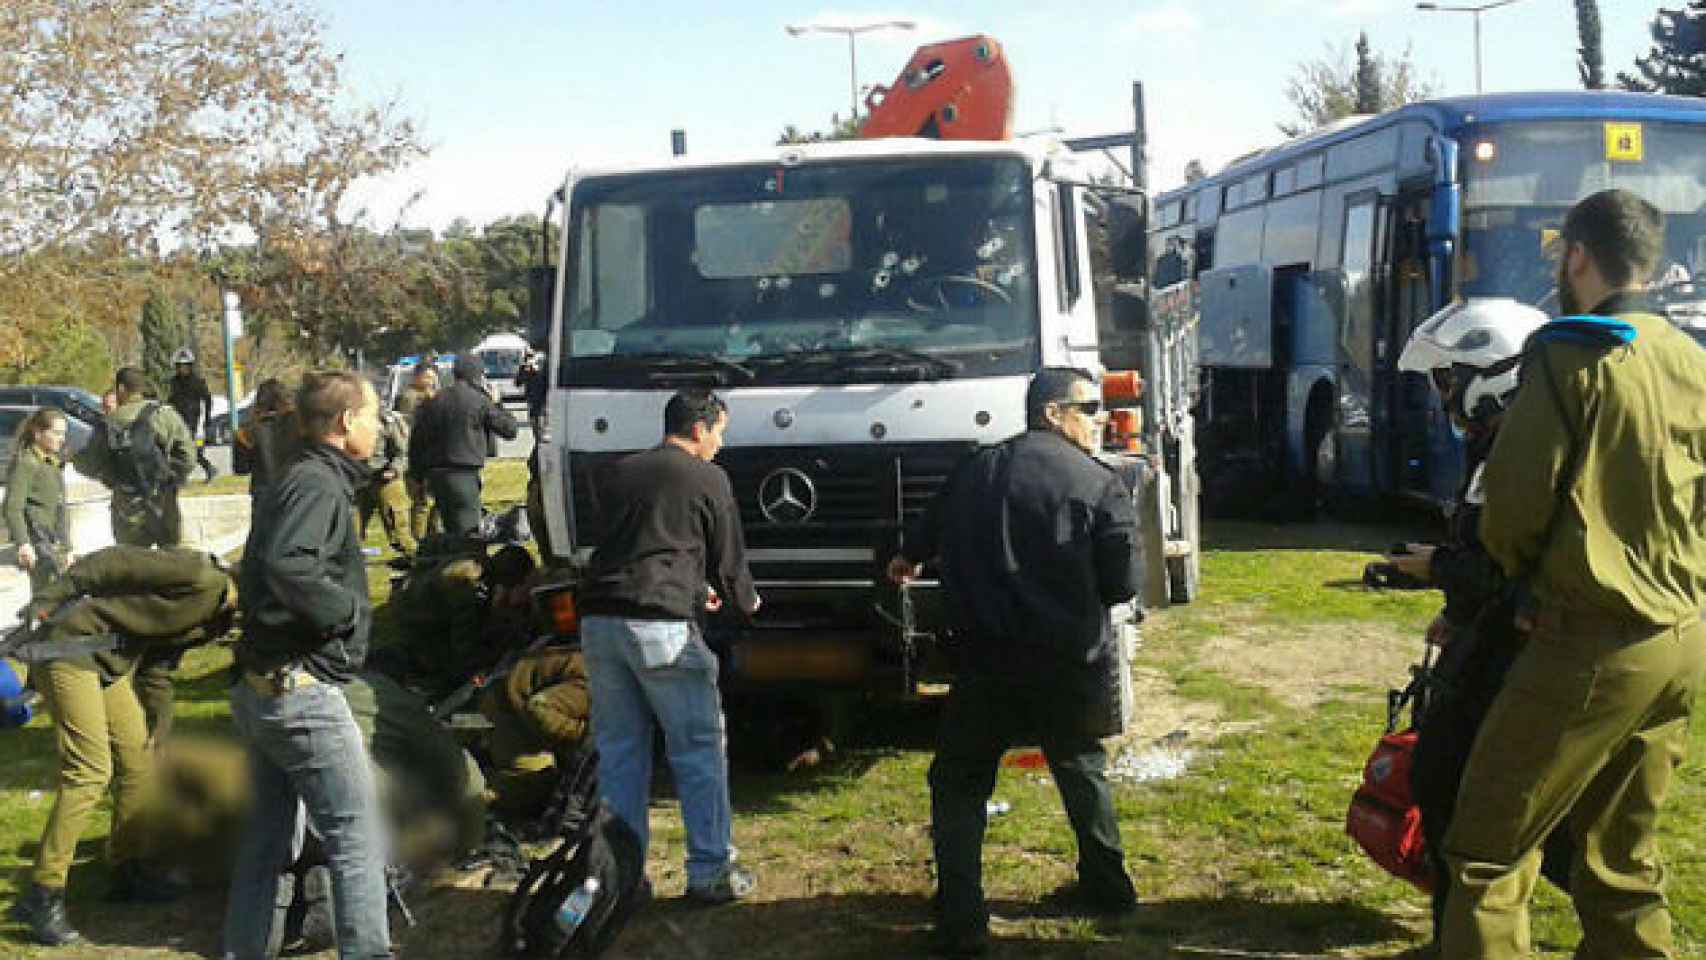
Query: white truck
x=871 y=311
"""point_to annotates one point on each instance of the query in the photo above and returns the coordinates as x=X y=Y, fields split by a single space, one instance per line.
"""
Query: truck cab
x=871 y=311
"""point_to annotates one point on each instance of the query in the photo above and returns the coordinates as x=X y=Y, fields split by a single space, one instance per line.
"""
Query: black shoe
x=1073 y=899
x=42 y=909
x=138 y=882
x=945 y=942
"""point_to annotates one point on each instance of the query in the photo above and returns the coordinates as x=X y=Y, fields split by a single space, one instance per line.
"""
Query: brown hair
x=43 y=419
x=1624 y=234
x=326 y=395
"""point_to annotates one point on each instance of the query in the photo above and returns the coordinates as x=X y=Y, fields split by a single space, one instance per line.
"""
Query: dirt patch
x=1305 y=665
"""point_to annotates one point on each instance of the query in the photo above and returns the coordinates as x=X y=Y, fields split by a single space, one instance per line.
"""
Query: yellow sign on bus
x=1623 y=142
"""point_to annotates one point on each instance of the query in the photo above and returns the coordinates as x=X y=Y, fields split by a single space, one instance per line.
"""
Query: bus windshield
x=778 y=270
x=1522 y=178
x=501 y=364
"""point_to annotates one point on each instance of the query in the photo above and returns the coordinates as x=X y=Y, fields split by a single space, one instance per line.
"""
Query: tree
x=163 y=333
x=1327 y=89
x=839 y=129
x=135 y=124
x=1590 y=56
x=1367 y=77
x=1676 y=64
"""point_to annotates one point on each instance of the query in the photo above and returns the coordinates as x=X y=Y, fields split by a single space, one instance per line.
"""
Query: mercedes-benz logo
x=787 y=495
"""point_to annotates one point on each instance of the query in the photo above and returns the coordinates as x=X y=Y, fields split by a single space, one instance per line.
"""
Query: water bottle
x=573 y=911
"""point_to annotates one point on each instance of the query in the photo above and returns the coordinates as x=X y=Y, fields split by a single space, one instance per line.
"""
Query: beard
x=1569 y=304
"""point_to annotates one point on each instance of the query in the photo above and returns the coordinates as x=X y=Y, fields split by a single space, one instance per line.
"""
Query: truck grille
x=859 y=494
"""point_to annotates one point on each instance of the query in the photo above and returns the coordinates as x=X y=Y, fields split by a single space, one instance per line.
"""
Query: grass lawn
x=1275 y=680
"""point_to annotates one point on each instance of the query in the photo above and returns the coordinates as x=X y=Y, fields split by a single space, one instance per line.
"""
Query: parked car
x=219 y=422
x=77 y=433
x=75 y=401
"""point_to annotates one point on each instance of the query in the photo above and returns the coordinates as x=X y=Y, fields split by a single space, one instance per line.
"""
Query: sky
x=510 y=93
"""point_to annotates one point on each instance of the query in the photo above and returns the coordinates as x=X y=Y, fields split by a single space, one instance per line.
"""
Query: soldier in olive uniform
x=539 y=722
x=419 y=391
x=148 y=598
x=385 y=493
x=1593 y=491
x=145 y=521
x=34 y=506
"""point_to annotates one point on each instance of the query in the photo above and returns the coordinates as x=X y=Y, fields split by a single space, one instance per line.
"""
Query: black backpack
x=604 y=848
x=139 y=465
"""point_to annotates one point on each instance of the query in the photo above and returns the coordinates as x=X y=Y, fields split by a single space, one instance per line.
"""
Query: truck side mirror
x=541 y=290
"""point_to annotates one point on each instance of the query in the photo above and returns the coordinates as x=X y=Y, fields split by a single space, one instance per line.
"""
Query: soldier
x=539 y=718
x=1593 y=490
x=458 y=611
x=144 y=453
x=267 y=440
x=420 y=390
x=385 y=493
x=189 y=396
x=147 y=598
x=35 y=497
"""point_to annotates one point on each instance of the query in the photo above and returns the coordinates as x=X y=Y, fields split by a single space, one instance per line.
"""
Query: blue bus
x=1309 y=264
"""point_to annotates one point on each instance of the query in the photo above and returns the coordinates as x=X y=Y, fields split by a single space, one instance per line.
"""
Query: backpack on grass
x=575 y=900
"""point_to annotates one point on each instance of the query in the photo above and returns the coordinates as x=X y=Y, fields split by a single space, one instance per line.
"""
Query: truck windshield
x=1522 y=178
x=918 y=268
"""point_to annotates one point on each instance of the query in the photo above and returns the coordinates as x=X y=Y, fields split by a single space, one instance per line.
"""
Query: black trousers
x=457 y=492
x=984 y=716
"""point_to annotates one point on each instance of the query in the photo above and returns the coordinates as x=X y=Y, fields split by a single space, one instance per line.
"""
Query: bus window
x=1521 y=178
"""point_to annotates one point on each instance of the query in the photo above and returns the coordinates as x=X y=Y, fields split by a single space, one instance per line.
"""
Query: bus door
x=1406 y=410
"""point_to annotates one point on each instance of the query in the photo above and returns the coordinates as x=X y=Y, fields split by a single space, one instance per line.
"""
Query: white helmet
x=183 y=356
x=1478 y=344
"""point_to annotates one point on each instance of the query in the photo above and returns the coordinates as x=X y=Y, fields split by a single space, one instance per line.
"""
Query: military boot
x=42 y=909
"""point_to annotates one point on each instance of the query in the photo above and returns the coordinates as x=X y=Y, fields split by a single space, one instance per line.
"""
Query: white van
x=502 y=354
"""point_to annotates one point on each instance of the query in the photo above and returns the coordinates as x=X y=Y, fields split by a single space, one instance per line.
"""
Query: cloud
x=1168 y=18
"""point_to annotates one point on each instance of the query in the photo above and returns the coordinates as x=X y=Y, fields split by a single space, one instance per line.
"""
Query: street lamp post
x=1476 y=11
x=852 y=31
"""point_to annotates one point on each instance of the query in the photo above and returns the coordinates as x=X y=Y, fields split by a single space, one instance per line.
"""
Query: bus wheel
x=1321 y=458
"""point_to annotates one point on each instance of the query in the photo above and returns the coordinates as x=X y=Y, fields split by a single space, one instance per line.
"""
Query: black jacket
x=672 y=528
x=192 y=399
x=450 y=430
x=1036 y=540
x=303 y=583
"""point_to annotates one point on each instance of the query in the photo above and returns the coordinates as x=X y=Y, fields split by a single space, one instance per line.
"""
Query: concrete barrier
x=217 y=524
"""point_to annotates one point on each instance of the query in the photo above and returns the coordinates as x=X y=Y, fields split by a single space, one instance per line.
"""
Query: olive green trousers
x=1587 y=732
x=102 y=740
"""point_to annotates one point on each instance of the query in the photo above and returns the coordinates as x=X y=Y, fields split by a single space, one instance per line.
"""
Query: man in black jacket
x=1035 y=541
x=449 y=445
x=189 y=395
x=306 y=619
x=673 y=529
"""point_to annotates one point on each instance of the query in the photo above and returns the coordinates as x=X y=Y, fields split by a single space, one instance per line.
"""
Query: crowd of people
x=1574 y=578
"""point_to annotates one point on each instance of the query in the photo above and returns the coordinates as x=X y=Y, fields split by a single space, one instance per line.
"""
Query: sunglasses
x=1087 y=407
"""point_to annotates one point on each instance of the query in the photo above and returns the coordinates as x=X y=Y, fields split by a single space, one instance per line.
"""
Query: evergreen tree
x=1367 y=77
x=163 y=333
x=1590 y=62
x=1677 y=62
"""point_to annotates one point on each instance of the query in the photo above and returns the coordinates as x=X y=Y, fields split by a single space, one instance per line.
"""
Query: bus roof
x=1453 y=113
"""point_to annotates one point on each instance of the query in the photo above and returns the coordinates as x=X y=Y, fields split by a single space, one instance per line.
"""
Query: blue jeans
x=642 y=672
x=305 y=751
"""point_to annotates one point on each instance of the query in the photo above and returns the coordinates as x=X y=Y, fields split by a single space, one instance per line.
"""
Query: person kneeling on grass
x=92 y=625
